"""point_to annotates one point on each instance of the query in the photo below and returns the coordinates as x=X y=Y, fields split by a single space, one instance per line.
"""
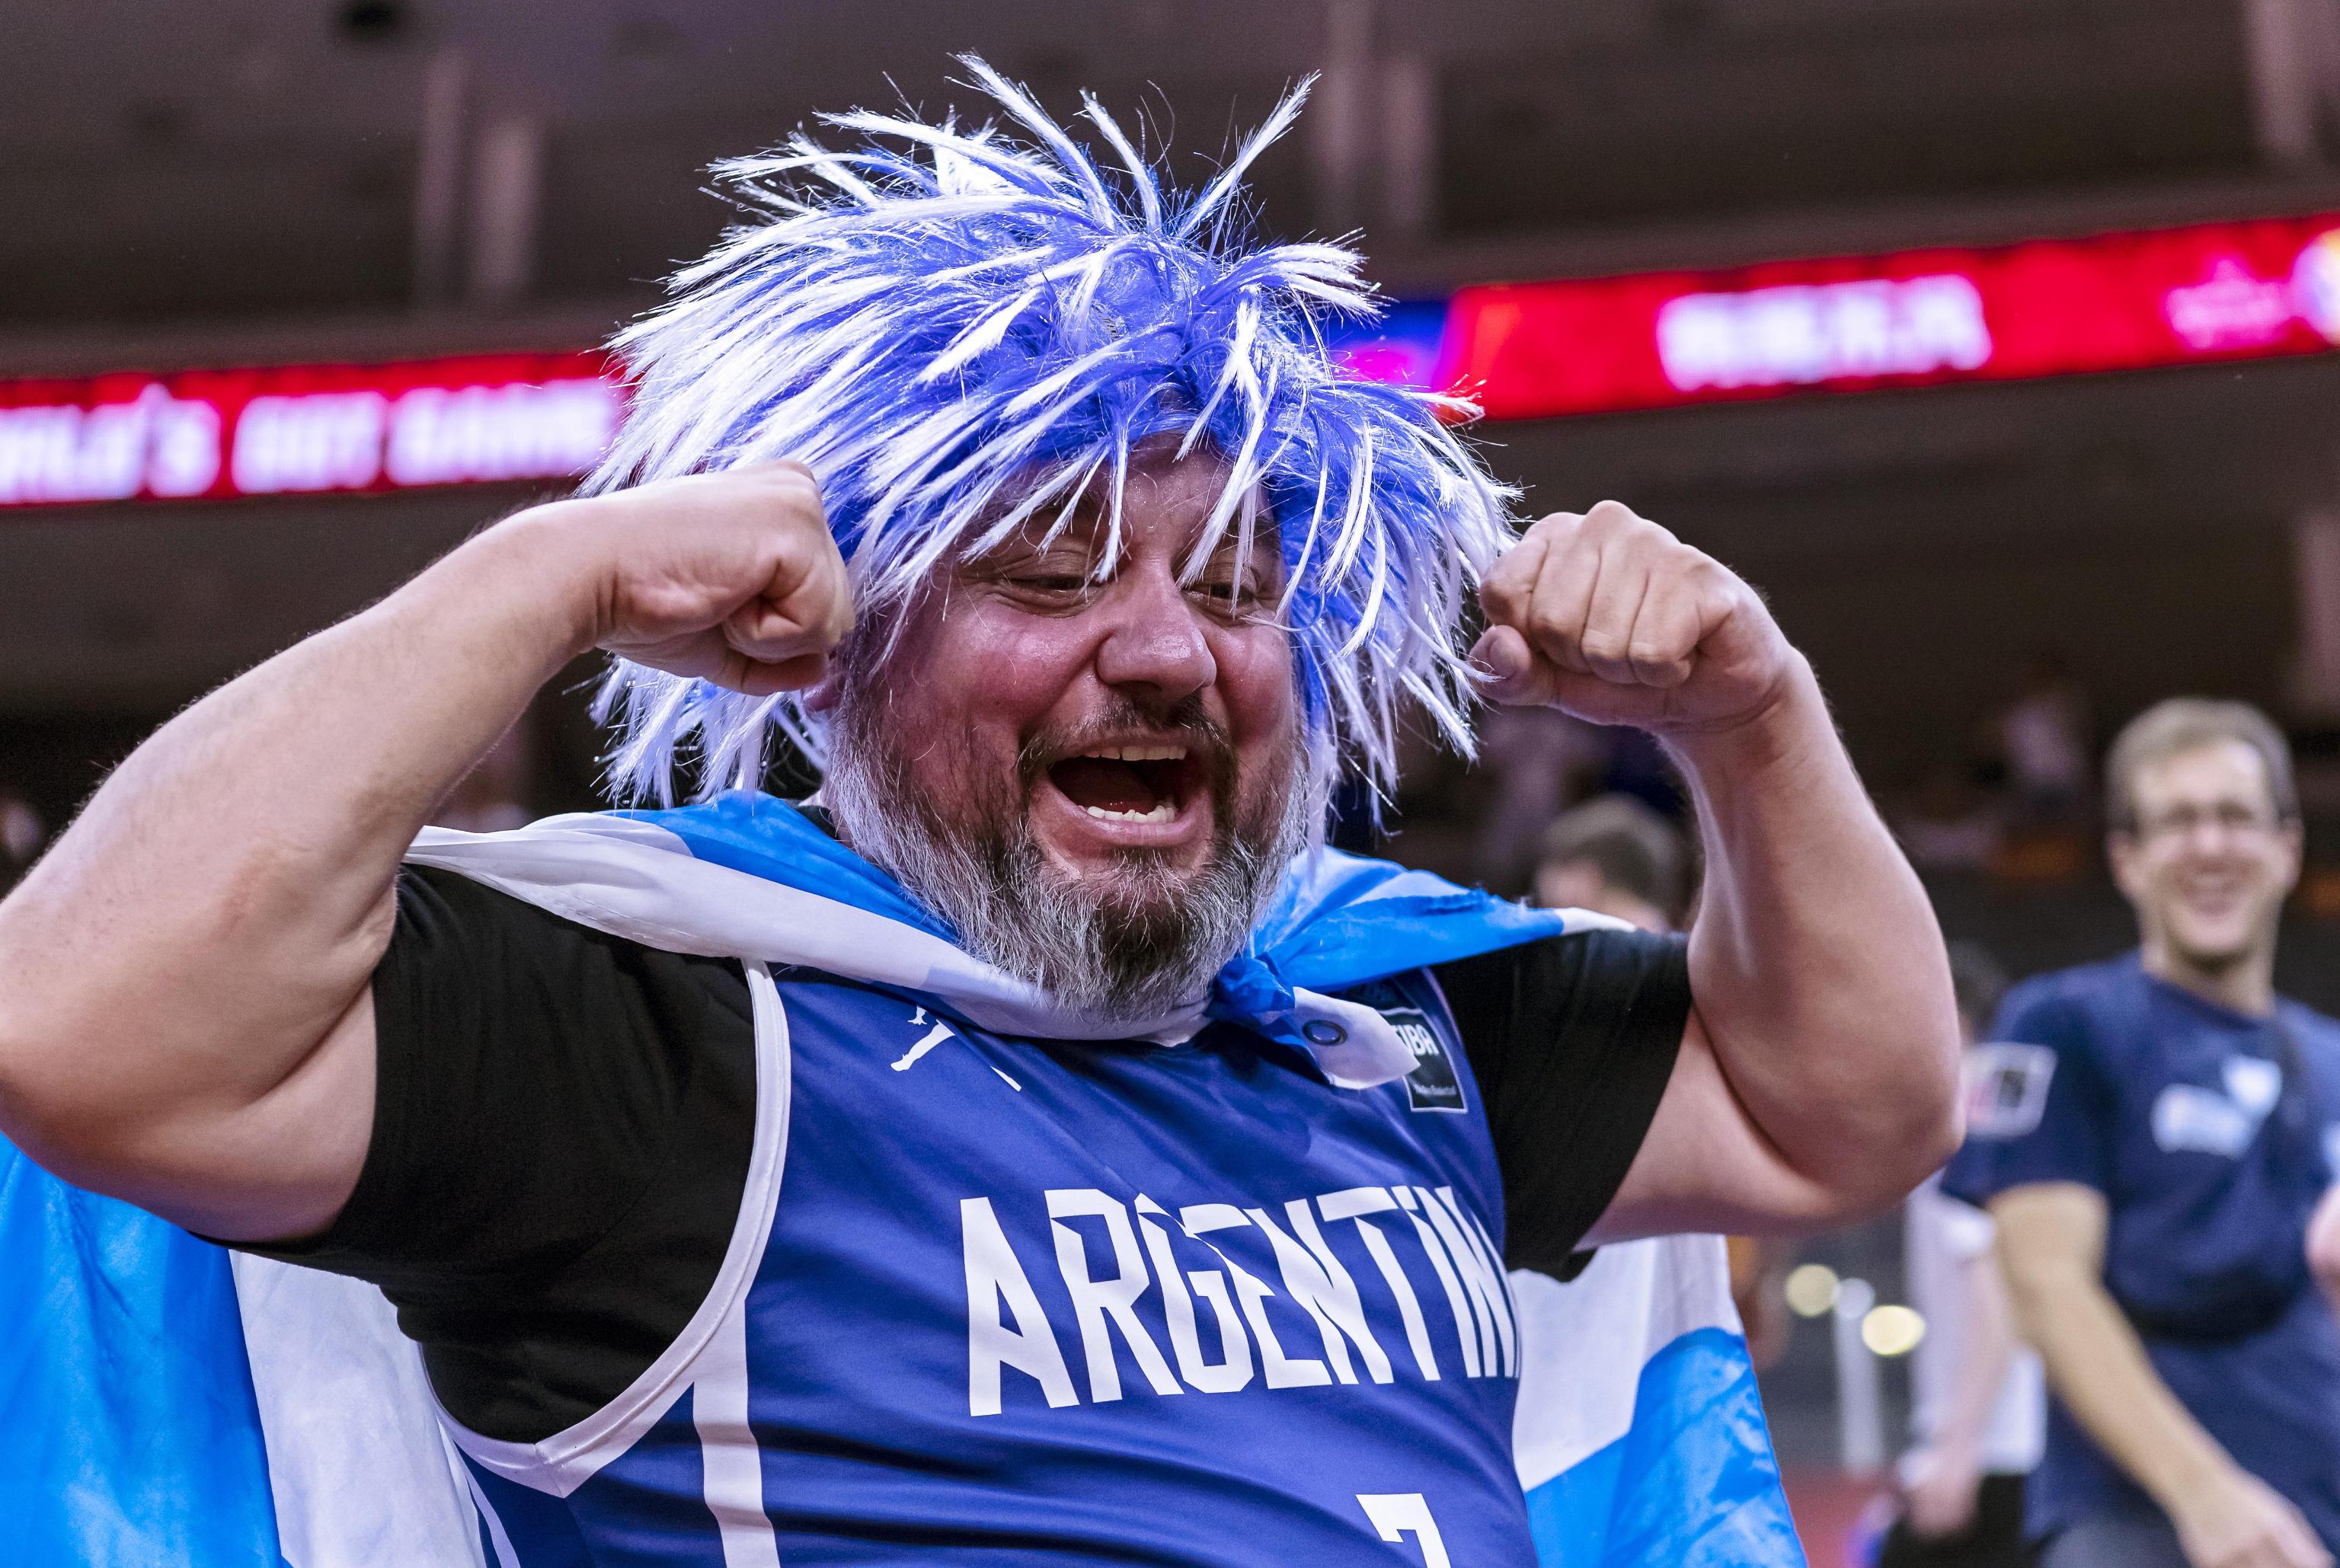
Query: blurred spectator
x=1637 y=765
x=1615 y=856
x=2150 y=1134
x=2043 y=738
x=1979 y=1399
x=1949 y=825
x=1535 y=759
x=22 y=834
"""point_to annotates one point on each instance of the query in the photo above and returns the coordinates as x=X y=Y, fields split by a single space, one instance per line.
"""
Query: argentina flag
x=173 y=1405
x=132 y=1438
x=1638 y=1435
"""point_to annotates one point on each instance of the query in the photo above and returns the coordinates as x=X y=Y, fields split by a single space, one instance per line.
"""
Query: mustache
x=1206 y=739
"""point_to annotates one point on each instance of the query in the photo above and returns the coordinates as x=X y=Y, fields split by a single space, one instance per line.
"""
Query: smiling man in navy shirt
x=2151 y=1134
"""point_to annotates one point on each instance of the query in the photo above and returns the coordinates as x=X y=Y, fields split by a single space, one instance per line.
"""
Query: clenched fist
x=1610 y=618
x=731 y=576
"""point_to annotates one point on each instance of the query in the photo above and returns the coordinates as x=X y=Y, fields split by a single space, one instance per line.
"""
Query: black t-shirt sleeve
x=562 y=1122
x=1573 y=1040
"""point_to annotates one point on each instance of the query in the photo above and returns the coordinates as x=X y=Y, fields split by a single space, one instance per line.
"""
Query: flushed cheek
x=1015 y=680
x=1257 y=682
x=980 y=682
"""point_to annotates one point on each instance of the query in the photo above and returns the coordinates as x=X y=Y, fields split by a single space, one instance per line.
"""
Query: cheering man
x=1038 y=1148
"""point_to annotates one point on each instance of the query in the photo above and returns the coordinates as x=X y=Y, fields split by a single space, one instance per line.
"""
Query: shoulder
x=452 y=923
x=466 y=960
x=1596 y=966
x=2307 y=1022
x=2054 y=1032
x=2318 y=1034
x=2080 y=985
x=1577 y=994
x=1597 y=940
x=2068 y=1008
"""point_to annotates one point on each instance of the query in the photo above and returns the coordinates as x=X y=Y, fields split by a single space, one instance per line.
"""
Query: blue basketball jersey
x=993 y=1299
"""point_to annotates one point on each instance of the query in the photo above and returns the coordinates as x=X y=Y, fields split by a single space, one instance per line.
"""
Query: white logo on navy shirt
x=2189 y=1119
x=2253 y=1082
x=2007 y=1087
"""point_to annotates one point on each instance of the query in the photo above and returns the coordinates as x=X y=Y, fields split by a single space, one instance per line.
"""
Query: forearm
x=1987 y=1352
x=224 y=896
x=2099 y=1369
x=1849 y=1067
x=2324 y=1245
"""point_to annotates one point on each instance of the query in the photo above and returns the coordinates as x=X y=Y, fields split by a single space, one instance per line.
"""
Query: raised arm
x=185 y=1014
x=2051 y=1243
x=1817 y=1078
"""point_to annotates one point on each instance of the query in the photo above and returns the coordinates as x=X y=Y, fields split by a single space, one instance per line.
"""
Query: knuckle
x=1501 y=595
x=1711 y=574
x=1652 y=650
x=1557 y=527
x=1661 y=669
x=1547 y=624
x=1604 y=648
x=1622 y=522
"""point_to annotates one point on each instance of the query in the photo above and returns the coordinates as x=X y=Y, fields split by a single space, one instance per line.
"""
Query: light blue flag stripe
x=1691 y=1485
x=132 y=1438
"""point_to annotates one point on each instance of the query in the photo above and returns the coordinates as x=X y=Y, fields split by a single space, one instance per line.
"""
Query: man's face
x=1581 y=884
x=1113 y=744
x=2209 y=860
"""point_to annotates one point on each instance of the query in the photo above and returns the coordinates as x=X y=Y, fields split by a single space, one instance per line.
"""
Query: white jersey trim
x=568 y=1458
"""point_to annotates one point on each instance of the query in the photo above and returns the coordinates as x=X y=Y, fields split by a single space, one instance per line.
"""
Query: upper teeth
x=1140 y=753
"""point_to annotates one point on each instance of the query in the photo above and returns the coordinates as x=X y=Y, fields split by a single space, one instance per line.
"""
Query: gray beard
x=1149 y=943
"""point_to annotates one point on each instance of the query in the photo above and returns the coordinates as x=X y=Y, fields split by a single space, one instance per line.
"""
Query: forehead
x=1167 y=503
x=2214 y=770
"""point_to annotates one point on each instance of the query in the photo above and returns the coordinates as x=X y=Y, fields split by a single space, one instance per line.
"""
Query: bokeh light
x=1892 y=1330
x=1811 y=1289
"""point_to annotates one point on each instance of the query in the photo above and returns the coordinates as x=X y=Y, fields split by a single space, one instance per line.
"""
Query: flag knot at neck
x=1352 y=1044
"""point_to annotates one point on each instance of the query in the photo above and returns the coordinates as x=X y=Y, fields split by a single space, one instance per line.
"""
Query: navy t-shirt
x=2211 y=1135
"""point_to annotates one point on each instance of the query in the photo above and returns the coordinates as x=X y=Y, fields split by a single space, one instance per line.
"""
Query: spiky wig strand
x=972 y=332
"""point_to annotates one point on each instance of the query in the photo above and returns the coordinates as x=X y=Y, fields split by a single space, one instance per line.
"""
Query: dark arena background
x=1997 y=341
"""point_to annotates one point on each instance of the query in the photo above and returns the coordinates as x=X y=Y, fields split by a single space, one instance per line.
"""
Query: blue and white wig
x=973 y=332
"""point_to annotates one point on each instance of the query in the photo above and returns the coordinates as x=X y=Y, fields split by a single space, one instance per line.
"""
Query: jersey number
x=1394 y=1513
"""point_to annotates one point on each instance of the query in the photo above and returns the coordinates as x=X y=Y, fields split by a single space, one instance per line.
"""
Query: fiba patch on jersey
x=1433 y=1084
x=2006 y=1089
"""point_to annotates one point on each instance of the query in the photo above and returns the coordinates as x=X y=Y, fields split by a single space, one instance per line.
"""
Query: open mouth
x=1140 y=783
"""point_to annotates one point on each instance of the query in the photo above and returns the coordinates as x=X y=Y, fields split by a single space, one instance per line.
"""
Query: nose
x=1154 y=643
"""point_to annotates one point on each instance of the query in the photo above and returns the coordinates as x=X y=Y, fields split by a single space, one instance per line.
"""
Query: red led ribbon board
x=2203 y=295
x=305 y=430
x=2211 y=292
